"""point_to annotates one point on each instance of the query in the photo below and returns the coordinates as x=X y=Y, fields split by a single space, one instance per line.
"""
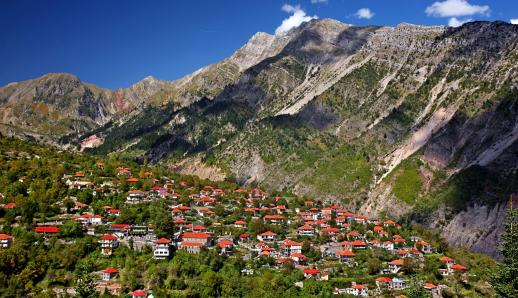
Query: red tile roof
x=108 y=237
x=311 y=271
x=5 y=236
x=163 y=241
x=46 y=229
x=346 y=253
x=110 y=270
x=195 y=235
x=139 y=293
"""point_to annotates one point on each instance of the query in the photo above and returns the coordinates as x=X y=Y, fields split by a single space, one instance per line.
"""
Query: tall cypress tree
x=505 y=279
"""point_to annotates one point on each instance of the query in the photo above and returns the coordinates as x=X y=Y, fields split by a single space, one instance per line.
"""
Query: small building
x=108 y=243
x=357 y=290
x=138 y=294
x=226 y=246
x=191 y=247
x=267 y=236
x=114 y=212
x=162 y=249
x=47 y=230
x=274 y=219
x=109 y=273
x=291 y=247
x=135 y=196
x=345 y=256
x=5 y=241
x=312 y=273
x=306 y=230
x=203 y=238
x=240 y=224
x=396 y=265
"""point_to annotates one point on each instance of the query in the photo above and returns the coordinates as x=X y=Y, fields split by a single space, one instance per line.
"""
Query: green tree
x=505 y=279
x=85 y=283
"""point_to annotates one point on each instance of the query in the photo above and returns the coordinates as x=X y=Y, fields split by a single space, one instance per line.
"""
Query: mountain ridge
x=385 y=119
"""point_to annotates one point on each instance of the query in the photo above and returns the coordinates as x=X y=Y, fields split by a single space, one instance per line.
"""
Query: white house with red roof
x=162 y=249
x=5 y=241
x=240 y=224
x=226 y=246
x=290 y=247
x=138 y=294
x=267 y=236
x=109 y=273
x=203 y=238
x=312 y=273
x=306 y=230
x=191 y=247
x=345 y=256
x=135 y=196
x=108 y=243
x=115 y=212
x=274 y=219
x=357 y=290
x=395 y=266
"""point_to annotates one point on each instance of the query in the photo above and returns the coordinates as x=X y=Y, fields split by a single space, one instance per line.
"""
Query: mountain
x=419 y=122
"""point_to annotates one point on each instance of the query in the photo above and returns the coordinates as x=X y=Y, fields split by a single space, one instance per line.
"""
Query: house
x=345 y=256
x=203 y=238
x=306 y=231
x=298 y=258
x=5 y=241
x=240 y=224
x=448 y=262
x=431 y=288
x=115 y=212
x=109 y=273
x=135 y=196
x=357 y=290
x=359 y=244
x=457 y=267
x=384 y=283
x=226 y=246
x=138 y=294
x=191 y=247
x=398 y=284
x=267 y=236
x=274 y=219
x=162 y=249
x=47 y=230
x=108 y=243
x=426 y=248
x=312 y=273
x=388 y=245
x=89 y=219
x=332 y=232
x=244 y=237
x=346 y=245
x=396 y=265
x=291 y=247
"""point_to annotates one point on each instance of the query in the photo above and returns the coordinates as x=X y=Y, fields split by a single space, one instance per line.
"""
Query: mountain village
x=324 y=241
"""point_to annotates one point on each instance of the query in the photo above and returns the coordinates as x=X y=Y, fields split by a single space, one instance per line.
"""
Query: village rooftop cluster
x=324 y=241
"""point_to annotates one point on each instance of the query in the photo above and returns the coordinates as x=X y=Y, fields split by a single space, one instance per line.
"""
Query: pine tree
x=505 y=279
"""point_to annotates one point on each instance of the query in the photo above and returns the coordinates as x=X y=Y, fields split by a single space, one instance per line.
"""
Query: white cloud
x=454 y=22
x=298 y=17
x=364 y=13
x=456 y=8
x=514 y=21
x=318 y=1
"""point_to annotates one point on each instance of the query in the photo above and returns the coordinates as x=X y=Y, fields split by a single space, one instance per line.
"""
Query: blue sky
x=115 y=43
